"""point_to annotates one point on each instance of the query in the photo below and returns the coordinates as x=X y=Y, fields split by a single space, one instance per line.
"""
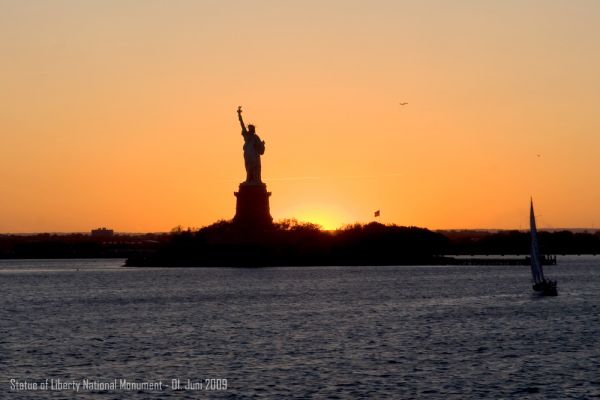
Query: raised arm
x=239 y=111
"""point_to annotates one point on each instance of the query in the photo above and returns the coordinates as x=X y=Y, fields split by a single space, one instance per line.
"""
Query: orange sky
x=122 y=113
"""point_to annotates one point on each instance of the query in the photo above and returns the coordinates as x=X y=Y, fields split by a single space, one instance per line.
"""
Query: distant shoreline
x=293 y=243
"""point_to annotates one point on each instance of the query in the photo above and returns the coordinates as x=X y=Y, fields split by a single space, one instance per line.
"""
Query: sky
x=122 y=113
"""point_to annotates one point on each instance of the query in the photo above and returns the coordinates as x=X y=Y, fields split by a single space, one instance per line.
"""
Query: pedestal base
x=252 y=206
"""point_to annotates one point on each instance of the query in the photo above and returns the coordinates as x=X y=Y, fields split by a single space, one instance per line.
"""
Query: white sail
x=536 y=262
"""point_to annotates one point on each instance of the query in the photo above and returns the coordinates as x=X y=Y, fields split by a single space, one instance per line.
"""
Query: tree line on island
x=292 y=243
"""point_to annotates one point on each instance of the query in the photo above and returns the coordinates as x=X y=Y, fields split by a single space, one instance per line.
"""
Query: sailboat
x=541 y=285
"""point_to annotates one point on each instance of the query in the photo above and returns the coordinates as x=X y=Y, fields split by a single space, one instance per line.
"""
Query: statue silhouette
x=253 y=149
x=252 y=205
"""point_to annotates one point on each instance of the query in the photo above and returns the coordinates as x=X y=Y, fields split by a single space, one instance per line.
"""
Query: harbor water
x=297 y=332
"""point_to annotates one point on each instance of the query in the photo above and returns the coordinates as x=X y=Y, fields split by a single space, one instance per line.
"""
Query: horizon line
x=88 y=232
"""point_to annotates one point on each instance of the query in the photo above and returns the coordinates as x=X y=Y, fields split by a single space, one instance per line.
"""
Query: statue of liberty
x=253 y=149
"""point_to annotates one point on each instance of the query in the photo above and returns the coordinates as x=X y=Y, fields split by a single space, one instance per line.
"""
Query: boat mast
x=536 y=263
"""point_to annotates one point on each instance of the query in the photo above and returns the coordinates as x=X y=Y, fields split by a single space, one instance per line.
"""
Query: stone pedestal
x=252 y=206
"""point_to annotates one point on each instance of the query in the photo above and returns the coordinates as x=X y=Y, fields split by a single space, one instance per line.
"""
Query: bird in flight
x=403 y=104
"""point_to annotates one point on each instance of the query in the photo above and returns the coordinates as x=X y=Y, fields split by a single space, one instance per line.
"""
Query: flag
x=377 y=213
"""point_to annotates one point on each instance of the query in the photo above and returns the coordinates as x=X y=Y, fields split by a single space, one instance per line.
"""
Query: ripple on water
x=385 y=332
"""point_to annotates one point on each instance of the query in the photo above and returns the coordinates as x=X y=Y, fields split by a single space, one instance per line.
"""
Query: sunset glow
x=122 y=113
x=327 y=216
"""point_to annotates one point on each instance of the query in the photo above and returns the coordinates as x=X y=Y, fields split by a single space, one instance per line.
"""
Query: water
x=334 y=332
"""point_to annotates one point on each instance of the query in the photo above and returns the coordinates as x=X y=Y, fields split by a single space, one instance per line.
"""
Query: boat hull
x=546 y=288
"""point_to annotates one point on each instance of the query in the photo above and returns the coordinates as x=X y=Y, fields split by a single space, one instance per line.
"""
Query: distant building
x=102 y=233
